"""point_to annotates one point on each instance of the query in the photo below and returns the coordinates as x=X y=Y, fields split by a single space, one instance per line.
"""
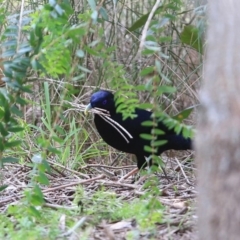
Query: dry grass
x=178 y=196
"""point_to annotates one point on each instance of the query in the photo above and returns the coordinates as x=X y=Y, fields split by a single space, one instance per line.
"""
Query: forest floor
x=178 y=199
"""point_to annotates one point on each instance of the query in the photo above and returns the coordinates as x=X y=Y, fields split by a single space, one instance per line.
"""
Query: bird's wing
x=135 y=127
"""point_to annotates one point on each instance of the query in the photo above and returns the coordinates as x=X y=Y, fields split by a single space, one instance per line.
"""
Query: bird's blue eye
x=104 y=102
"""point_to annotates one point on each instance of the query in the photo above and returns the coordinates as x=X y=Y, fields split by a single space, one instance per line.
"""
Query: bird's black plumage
x=129 y=141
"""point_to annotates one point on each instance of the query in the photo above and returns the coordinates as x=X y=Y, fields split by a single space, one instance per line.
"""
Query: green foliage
x=23 y=225
x=191 y=36
x=8 y=126
x=65 y=59
x=126 y=101
x=162 y=11
x=50 y=27
x=105 y=205
x=3 y=187
x=183 y=114
x=139 y=210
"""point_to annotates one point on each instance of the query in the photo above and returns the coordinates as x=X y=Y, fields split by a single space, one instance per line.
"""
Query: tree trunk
x=218 y=137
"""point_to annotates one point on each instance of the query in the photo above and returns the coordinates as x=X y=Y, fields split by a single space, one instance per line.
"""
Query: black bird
x=124 y=135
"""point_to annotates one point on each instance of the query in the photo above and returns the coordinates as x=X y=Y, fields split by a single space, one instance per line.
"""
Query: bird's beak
x=88 y=107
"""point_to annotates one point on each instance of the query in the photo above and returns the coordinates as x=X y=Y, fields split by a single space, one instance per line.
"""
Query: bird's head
x=103 y=100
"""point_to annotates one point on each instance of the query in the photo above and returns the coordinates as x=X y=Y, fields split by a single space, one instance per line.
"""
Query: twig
x=82 y=107
x=107 y=166
x=20 y=24
x=55 y=206
x=20 y=195
x=69 y=170
x=107 y=173
x=77 y=225
x=179 y=164
x=171 y=184
x=146 y=26
x=73 y=184
x=135 y=170
x=118 y=184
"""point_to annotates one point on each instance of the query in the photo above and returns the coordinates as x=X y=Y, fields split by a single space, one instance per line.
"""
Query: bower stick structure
x=218 y=135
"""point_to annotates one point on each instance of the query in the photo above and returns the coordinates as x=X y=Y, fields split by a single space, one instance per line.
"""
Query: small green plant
x=23 y=225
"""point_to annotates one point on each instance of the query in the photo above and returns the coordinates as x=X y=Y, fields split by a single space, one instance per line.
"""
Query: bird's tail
x=178 y=142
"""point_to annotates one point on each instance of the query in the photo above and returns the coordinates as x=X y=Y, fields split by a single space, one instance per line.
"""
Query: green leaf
x=157 y=131
x=178 y=128
x=145 y=105
x=15 y=129
x=147 y=71
x=38 y=31
x=94 y=15
x=166 y=89
x=52 y=3
x=150 y=46
x=42 y=178
x=16 y=111
x=190 y=36
x=45 y=165
x=25 y=49
x=37 y=190
x=142 y=20
x=53 y=150
x=21 y=101
x=57 y=139
x=150 y=149
x=84 y=69
x=60 y=130
x=91 y=51
x=183 y=114
x=3 y=187
x=12 y=42
x=140 y=87
x=58 y=9
x=92 y=4
x=1 y=113
x=7 y=114
x=25 y=89
x=2 y=146
x=36 y=200
x=9 y=53
x=10 y=34
x=158 y=143
x=79 y=77
x=13 y=143
x=3 y=130
x=146 y=136
x=119 y=100
x=9 y=160
x=147 y=52
x=158 y=160
x=187 y=132
x=34 y=211
x=149 y=124
x=103 y=13
x=34 y=64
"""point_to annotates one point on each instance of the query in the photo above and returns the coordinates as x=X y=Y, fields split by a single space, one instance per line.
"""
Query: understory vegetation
x=58 y=179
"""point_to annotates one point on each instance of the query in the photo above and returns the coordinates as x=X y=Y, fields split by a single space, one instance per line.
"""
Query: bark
x=218 y=137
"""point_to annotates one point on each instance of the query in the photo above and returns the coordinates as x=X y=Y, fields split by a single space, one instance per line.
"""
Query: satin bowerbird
x=124 y=135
